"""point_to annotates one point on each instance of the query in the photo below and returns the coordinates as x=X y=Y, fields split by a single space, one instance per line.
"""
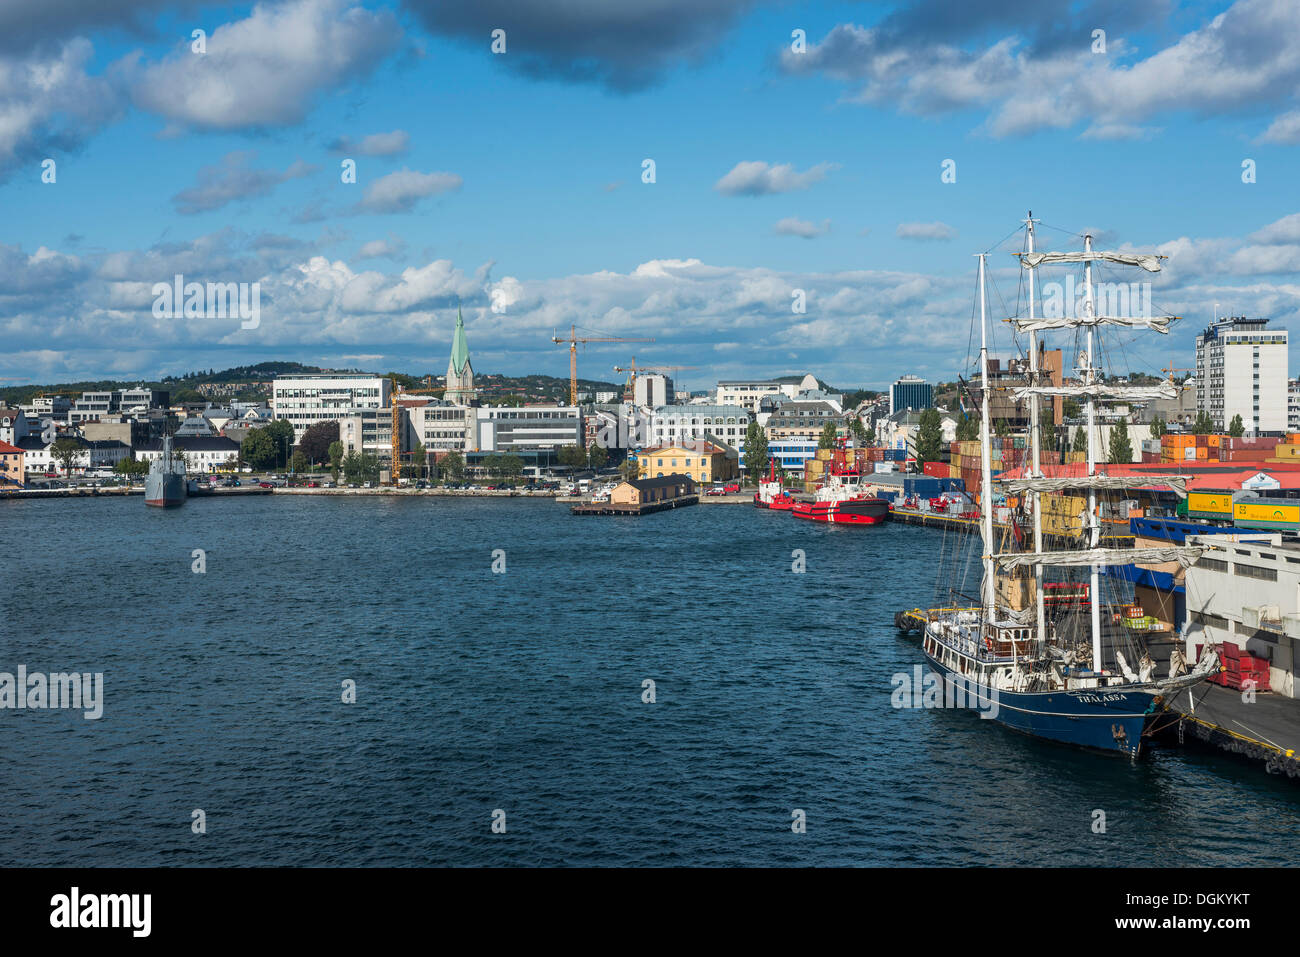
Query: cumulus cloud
x=233 y=179
x=1238 y=61
x=756 y=178
x=95 y=309
x=399 y=192
x=794 y=226
x=935 y=230
x=391 y=248
x=620 y=46
x=265 y=71
x=376 y=144
x=48 y=102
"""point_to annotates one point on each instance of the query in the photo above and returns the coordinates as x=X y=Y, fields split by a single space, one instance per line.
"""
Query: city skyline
x=514 y=179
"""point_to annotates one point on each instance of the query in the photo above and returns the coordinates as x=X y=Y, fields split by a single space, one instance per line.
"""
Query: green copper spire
x=459 y=347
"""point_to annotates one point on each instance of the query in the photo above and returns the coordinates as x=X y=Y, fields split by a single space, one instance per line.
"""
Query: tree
x=859 y=432
x=1001 y=427
x=829 y=437
x=1081 y=439
x=1070 y=409
x=755 y=453
x=352 y=468
x=336 y=458
x=1158 y=427
x=258 y=449
x=130 y=467
x=1203 y=425
x=597 y=457
x=281 y=434
x=630 y=468
x=315 y=442
x=573 y=456
x=453 y=465
x=298 y=462
x=968 y=429
x=1236 y=428
x=1047 y=438
x=420 y=459
x=929 y=438
x=1121 y=449
x=64 y=451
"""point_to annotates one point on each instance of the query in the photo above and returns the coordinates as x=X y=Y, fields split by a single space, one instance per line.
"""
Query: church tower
x=460 y=374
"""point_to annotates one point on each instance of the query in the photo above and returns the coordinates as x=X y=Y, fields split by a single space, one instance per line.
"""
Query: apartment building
x=1243 y=365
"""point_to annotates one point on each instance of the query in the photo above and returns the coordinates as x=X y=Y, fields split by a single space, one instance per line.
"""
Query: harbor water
x=226 y=630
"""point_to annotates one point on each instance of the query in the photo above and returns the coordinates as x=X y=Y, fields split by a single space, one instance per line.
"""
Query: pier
x=1265 y=730
x=609 y=508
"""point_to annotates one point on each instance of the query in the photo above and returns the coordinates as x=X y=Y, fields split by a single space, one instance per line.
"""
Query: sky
x=854 y=155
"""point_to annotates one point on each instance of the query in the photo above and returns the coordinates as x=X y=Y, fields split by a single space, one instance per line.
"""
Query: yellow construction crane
x=397 y=418
x=573 y=340
x=634 y=369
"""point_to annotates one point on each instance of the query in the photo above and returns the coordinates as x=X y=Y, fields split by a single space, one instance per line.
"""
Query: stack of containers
x=1247 y=450
x=1240 y=667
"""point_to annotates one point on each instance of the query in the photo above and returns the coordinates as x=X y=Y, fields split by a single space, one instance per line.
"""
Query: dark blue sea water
x=523 y=692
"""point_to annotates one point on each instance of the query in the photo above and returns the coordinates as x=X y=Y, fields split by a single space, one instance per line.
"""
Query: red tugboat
x=770 y=494
x=842 y=501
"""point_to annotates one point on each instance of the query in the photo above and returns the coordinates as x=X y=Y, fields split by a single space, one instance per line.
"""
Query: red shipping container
x=1229 y=650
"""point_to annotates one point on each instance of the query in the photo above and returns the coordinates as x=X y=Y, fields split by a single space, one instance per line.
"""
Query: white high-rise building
x=1243 y=367
x=305 y=400
x=1293 y=405
x=653 y=389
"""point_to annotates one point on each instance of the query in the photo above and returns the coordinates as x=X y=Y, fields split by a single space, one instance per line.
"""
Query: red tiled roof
x=7 y=449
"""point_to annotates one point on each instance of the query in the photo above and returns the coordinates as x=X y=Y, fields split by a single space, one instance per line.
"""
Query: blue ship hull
x=1102 y=720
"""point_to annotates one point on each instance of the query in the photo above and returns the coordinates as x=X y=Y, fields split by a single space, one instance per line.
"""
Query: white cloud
x=376 y=144
x=399 y=192
x=1245 y=58
x=935 y=230
x=49 y=104
x=794 y=226
x=756 y=178
x=265 y=71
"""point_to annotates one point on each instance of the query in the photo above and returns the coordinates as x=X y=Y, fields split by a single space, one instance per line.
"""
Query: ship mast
x=1094 y=521
x=1036 y=470
x=986 y=476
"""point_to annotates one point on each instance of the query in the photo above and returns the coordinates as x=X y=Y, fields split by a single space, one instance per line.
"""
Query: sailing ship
x=1051 y=677
x=842 y=500
x=165 y=484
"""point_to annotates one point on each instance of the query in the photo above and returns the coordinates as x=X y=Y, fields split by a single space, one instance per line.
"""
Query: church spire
x=460 y=373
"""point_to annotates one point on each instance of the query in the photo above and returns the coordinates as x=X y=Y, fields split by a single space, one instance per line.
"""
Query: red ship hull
x=859 y=511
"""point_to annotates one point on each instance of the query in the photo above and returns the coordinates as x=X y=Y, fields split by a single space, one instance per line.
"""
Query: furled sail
x=1148 y=262
x=1183 y=554
x=1156 y=323
x=1100 y=390
x=1176 y=482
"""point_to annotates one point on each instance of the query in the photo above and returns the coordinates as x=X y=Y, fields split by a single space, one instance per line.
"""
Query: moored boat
x=841 y=500
x=164 y=486
x=1057 y=676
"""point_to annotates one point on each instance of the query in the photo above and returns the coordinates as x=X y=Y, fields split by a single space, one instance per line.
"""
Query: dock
x=1266 y=730
x=608 y=508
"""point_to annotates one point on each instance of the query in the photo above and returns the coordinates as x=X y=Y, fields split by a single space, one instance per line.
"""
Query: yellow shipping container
x=1210 y=503
x=1270 y=514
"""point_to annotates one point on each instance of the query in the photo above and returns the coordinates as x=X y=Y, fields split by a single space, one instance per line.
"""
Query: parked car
x=731 y=488
x=265 y=485
x=716 y=490
x=366 y=485
x=313 y=484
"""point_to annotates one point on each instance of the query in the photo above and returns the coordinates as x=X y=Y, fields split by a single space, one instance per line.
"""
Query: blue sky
x=515 y=179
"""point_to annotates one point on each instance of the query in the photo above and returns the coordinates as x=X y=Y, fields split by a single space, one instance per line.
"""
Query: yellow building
x=702 y=461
